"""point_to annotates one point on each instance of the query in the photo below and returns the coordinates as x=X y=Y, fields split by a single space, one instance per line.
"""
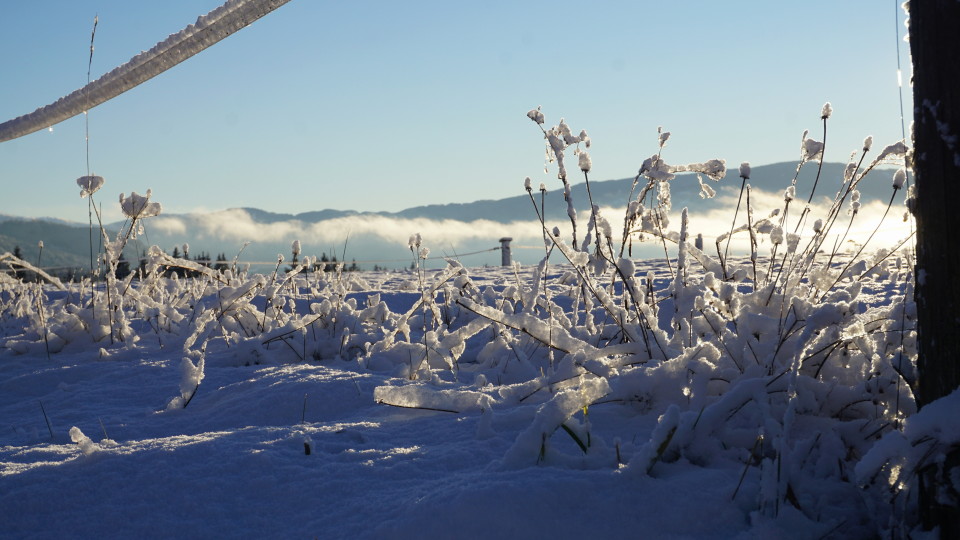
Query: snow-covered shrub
x=793 y=364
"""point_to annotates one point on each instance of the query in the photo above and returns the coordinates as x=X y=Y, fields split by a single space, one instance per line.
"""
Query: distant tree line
x=219 y=264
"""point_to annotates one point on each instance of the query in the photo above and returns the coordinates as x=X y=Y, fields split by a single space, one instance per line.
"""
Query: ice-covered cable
x=209 y=29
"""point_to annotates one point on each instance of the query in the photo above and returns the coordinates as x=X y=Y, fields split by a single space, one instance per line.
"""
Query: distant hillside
x=380 y=237
x=64 y=245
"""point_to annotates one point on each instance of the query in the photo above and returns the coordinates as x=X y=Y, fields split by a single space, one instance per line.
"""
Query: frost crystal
x=89 y=185
x=138 y=206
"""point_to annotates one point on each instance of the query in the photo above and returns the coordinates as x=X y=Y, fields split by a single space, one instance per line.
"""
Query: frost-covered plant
x=792 y=364
x=782 y=362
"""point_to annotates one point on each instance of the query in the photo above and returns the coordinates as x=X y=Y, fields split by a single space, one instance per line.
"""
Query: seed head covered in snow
x=868 y=143
x=295 y=247
x=826 y=111
x=585 y=162
x=745 y=170
x=776 y=236
x=899 y=178
x=818 y=225
x=414 y=242
x=89 y=185
x=139 y=206
x=584 y=138
x=543 y=187
x=812 y=150
x=535 y=115
x=790 y=193
x=527 y=184
x=662 y=139
x=424 y=252
x=854 y=201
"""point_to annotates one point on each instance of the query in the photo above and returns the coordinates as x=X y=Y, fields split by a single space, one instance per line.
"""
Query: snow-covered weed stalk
x=792 y=364
x=780 y=362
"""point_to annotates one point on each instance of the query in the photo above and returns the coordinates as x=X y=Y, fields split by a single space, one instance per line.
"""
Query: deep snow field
x=232 y=464
x=483 y=457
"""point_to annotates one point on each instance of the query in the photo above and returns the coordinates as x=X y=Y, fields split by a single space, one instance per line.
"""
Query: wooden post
x=936 y=162
x=505 y=251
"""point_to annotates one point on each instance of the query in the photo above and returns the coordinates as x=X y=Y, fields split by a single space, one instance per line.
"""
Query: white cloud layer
x=237 y=226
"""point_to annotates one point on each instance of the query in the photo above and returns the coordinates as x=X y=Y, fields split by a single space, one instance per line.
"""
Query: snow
x=457 y=452
x=89 y=185
x=591 y=395
x=899 y=178
x=139 y=206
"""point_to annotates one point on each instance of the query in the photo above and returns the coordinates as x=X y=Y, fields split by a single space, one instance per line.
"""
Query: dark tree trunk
x=934 y=44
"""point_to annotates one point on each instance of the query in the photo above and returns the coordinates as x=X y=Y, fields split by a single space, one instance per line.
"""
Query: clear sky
x=382 y=105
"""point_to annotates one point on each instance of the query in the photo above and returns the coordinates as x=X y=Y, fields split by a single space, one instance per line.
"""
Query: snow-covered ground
x=592 y=395
x=275 y=445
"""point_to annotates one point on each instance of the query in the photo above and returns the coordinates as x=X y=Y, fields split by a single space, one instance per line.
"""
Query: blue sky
x=388 y=105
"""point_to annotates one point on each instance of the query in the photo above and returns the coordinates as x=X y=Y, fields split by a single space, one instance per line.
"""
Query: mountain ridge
x=67 y=243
